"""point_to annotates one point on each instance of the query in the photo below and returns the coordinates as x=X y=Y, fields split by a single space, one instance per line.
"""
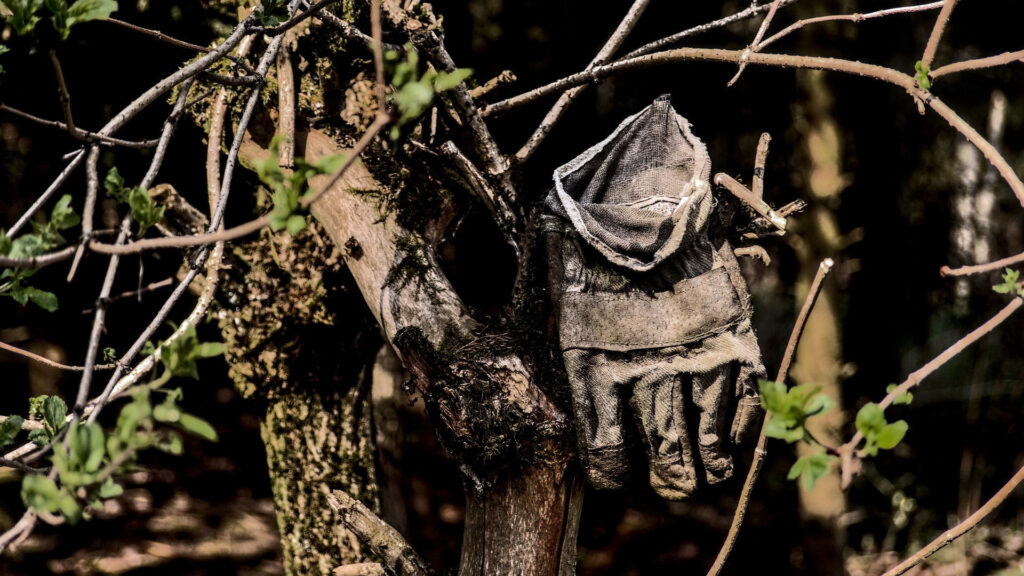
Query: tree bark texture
x=285 y=333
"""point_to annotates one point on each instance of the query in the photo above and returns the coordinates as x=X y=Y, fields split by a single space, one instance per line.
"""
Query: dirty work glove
x=653 y=315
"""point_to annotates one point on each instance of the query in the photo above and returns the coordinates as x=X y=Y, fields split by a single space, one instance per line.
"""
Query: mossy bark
x=304 y=366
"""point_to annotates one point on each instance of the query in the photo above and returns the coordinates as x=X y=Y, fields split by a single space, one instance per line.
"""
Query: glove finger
x=659 y=404
x=712 y=392
x=747 y=422
x=599 y=411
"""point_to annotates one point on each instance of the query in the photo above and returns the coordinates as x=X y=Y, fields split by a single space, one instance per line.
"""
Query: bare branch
x=83 y=135
x=936 y=35
x=762 y=441
x=915 y=378
x=979 y=268
x=750 y=199
x=760 y=159
x=781 y=60
x=757 y=40
x=848 y=18
x=753 y=10
x=51 y=363
x=566 y=99
x=962 y=528
x=179 y=43
x=399 y=558
x=979 y=63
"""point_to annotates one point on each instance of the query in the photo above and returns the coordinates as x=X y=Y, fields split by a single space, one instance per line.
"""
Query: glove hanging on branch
x=652 y=310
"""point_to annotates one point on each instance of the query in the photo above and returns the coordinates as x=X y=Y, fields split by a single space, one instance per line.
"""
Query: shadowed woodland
x=309 y=400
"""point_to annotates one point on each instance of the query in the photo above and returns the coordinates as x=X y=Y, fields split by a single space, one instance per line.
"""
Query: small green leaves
x=46 y=237
x=9 y=429
x=791 y=408
x=904 y=398
x=1011 y=283
x=24 y=18
x=109 y=354
x=145 y=210
x=114 y=185
x=288 y=189
x=878 y=433
x=413 y=93
x=811 y=468
x=924 y=82
x=53 y=412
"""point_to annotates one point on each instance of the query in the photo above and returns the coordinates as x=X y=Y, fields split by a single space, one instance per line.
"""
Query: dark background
x=896 y=312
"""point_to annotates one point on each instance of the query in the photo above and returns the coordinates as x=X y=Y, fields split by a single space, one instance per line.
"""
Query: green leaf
x=45 y=300
x=23 y=18
x=145 y=210
x=870 y=419
x=109 y=354
x=63 y=215
x=448 y=80
x=811 y=468
x=924 y=82
x=88 y=446
x=9 y=429
x=273 y=12
x=198 y=427
x=39 y=493
x=114 y=185
x=904 y=398
x=210 y=349
x=39 y=437
x=891 y=435
x=1010 y=283
x=110 y=489
x=54 y=413
x=86 y=10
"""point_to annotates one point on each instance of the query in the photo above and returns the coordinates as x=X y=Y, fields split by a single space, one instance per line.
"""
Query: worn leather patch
x=694 y=309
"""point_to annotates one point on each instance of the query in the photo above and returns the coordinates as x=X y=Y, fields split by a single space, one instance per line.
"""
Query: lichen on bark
x=303 y=364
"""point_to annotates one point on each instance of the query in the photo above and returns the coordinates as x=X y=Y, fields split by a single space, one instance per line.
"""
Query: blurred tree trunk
x=819 y=357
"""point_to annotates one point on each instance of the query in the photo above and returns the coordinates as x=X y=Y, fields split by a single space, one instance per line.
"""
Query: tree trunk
x=285 y=338
x=524 y=524
x=819 y=357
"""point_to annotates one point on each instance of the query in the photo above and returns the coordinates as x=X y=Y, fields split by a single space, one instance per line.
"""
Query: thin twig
x=83 y=135
x=285 y=107
x=15 y=533
x=757 y=40
x=848 y=18
x=936 y=35
x=65 y=95
x=915 y=378
x=565 y=100
x=979 y=63
x=350 y=32
x=22 y=467
x=99 y=319
x=962 y=528
x=760 y=159
x=979 y=268
x=92 y=184
x=179 y=43
x=753 y=10
x=43 y=198
x=760 y=452
x=51 y=363
x=781 y=60
x=138 y=292
x=750 y=199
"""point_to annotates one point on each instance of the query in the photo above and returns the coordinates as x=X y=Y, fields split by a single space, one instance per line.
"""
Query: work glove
x=653 y=314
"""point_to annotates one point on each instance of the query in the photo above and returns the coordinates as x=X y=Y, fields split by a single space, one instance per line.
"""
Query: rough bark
x=285 y=329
